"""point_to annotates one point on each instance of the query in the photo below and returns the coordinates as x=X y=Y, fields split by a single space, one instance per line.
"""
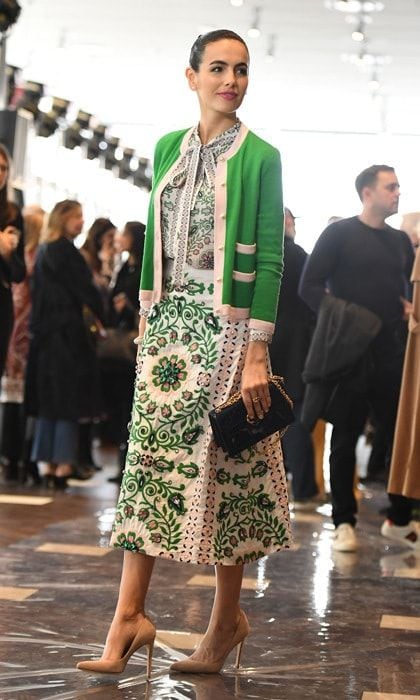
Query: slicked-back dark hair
x=368 y=177
x=198 y=47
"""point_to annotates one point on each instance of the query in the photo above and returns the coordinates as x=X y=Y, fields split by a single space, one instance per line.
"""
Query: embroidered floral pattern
x=181 y=497
x=169 y=372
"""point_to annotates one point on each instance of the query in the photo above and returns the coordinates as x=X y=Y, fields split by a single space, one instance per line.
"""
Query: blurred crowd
x=69 y=317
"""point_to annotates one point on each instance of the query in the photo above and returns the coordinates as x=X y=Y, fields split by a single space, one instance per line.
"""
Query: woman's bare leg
x=225 y=613
x=130 y=610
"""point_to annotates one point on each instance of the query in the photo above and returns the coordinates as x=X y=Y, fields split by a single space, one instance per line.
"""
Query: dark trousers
x=117 y=380
x=12 y=431
x=373 y=387
x=376 y=467
x=299 y=458
x=400 y=510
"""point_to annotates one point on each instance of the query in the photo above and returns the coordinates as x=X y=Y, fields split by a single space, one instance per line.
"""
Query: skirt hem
x=177 y=557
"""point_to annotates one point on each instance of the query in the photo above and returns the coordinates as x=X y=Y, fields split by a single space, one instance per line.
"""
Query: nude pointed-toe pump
x=193 y=666
x=145 y=636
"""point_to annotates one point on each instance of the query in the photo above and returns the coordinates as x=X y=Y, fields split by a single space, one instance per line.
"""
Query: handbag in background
x=117 y=344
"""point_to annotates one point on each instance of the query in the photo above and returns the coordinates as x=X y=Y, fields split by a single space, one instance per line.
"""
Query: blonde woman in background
x=61 y=357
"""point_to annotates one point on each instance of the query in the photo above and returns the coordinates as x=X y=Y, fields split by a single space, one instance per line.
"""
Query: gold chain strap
x=275 y=379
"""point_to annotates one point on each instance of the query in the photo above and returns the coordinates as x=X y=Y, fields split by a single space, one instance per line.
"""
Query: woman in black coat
x=12 y=263
x=62 y=359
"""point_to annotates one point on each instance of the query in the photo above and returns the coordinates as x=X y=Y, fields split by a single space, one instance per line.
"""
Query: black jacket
x=294 y=323
x=128 y=283
x=12 y=270
x=61 y=366
x=342 y=336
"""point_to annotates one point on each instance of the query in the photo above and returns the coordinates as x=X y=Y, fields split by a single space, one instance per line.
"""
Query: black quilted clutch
x=234 y=432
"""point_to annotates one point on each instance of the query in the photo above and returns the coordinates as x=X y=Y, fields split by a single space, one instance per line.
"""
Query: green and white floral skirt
x=181 y=497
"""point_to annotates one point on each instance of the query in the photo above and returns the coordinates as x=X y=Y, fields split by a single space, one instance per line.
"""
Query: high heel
x=145 y=636
x=60 y=483
x=192 y=666
x=48 y=481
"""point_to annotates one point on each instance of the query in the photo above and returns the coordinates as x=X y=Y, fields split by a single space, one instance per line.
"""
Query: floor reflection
x=314 y=614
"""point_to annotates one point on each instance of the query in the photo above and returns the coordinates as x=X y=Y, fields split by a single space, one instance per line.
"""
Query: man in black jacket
x=292 y=335
x=364 y=261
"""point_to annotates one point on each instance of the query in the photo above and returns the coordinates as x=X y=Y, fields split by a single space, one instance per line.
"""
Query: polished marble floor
x=324 y=625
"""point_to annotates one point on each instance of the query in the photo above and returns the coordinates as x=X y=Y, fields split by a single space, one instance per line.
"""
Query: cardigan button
x=221 y=247
x=223 y=184
x=223 y=216
x=219 y=279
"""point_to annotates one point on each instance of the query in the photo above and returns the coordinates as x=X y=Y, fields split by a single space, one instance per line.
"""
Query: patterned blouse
x=191 y=238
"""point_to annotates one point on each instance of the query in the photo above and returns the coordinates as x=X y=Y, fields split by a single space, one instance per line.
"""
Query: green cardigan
x=248 y=228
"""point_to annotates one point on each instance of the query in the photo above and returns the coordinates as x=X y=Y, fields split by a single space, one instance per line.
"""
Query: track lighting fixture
x=110 y=161
x=125 y=169
x=32 y=93
x=254 y=31
x=358 y=34
x=97 y=143
x=73 y=135
x=48 y=122
x=355 y=5
x=143 y=175
x=271 y=48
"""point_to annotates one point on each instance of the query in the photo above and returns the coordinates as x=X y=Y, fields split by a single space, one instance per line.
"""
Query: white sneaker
x=406 y=534
x=345 y=539
x=308 y=504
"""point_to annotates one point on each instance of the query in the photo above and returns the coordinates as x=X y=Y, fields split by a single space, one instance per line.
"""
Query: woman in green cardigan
x=209 y=286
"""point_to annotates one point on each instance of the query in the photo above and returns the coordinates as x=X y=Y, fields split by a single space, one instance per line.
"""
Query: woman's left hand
x=254 y=384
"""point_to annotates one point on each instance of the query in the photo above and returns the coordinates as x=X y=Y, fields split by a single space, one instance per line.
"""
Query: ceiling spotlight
x=47 y=124
x=365 y=60
x=110 y=161
x=72 y=136
x=11 y=74
x=77 y=133
x=374 y=83
x=271 y=49
x=32 y=93
x=254 y=31
x=354 y=5
x=358 y=34
x=125 y=169
x=143 y=175
x=49 y=121
x=237 y=3
x=97 y=143
x=60 y=106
